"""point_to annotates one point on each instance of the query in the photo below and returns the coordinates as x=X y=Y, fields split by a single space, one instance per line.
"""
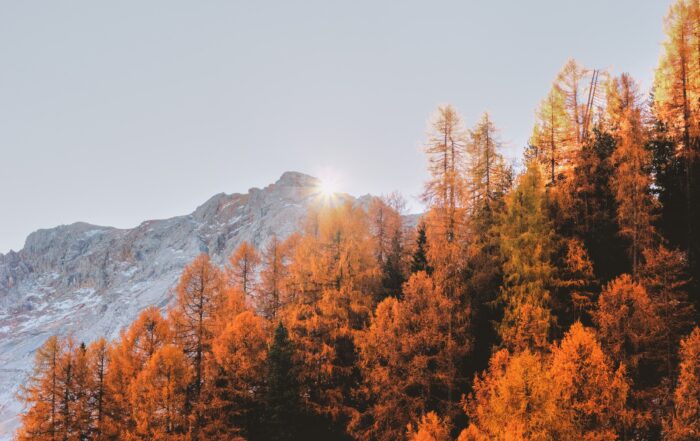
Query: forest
x=556 y=300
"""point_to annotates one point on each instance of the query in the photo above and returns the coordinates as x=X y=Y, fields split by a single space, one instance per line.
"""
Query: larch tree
x=201 y=295
x=430 y=428
x=676 y=108
x=590 y=388
x=387 y=230
x=628 y=330
x=128 y=356
x=159 y=397
x=684 y=424
x=547 y=145
x=445 y=191
x=486 y=171
x=242 y=270
x=631 y=180
x=41 y=395
x=526 y=242
x=405 y=361
x=98 y=363
x=270 y=295
x=516 y=399
x=334 y=277
x=665 y=278
x=235 y=389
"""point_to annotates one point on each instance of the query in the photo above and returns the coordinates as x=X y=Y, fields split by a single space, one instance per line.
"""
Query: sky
x=117 y=112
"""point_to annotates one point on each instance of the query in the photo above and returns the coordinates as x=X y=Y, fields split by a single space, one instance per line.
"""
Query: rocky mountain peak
x=88 y=280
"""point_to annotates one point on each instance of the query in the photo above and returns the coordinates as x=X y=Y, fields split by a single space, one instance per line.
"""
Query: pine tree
x=419 y=261
x=282 y=401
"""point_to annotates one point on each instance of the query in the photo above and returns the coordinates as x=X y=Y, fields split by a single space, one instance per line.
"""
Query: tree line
x=555 y=302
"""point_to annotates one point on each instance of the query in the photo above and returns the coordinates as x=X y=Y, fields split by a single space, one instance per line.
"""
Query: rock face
x=90 y=281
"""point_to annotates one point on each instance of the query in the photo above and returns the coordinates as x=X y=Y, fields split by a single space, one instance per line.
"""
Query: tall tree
x=272 y=278
x=243 y=268
x=282 y=396
x=159 y=397
x=405 y=361
x=527 y=246
x=592 y=391
x=631 y=179
x=41 y=395
x=487 y=173
x=235 y=389
x=677 y=107
x=201 y=295
x=445 y=191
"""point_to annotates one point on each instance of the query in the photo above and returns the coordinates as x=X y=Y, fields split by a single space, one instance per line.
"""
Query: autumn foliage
x=552 y=301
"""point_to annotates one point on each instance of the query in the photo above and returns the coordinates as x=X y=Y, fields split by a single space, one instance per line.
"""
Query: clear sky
x=122 y=111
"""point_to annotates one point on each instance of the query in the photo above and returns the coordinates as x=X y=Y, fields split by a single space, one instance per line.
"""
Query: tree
x=159 y=396
x=128 y=356
x=590 y=388
x=282 y=401
x=407 y=368
x=677 y=109
x=685 y=421
x=577 y=284
x=527 y=246
x=235 y=389
x=628 y=329
x=41 y=395
x=664 y=276
x=546 y=145
x=419 y=261
x=386 y=229
x=201 y=295
x=486 y=171
x=516 y=399
x=626 y=322
x=98 y=362
x=243 y=266
x=334 y=278
x=272 y=277
x=631 y=180
x=430 y=428
x=445 y=191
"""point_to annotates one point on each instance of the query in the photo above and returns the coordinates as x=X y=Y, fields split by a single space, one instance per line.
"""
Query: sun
x=328 y=187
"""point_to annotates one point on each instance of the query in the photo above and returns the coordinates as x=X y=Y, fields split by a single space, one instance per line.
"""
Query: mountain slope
x=90 y=281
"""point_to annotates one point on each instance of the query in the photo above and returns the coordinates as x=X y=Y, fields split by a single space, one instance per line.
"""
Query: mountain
x=89 y=281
